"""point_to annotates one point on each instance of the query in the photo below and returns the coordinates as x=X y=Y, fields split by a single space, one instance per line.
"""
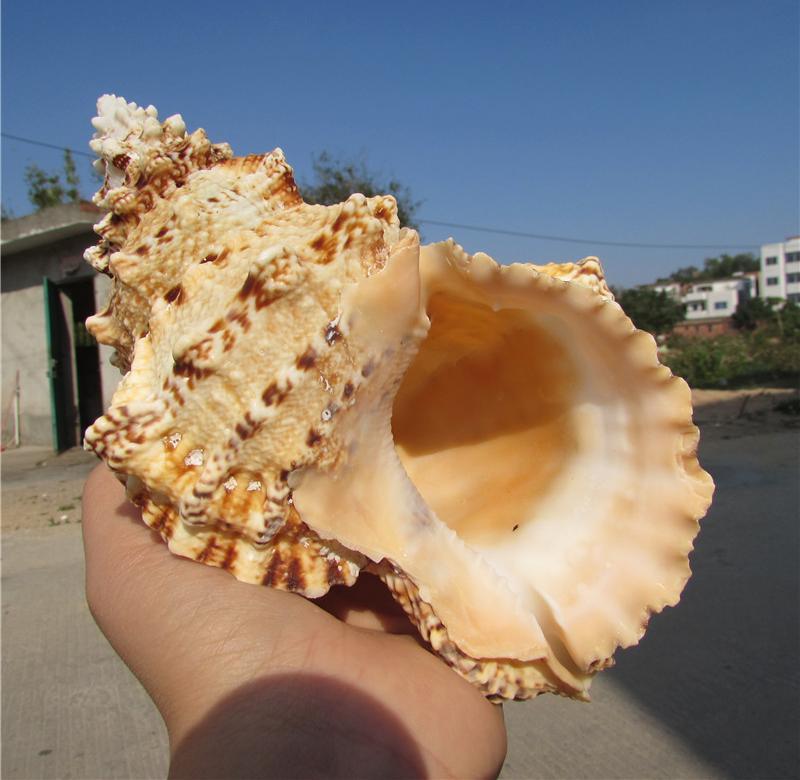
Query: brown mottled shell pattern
x=294 y=560
x=308 y=392
x=206 y=225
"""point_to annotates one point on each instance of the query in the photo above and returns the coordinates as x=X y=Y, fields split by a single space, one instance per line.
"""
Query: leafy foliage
x=767 y=353
x=655 y=312
x=787 y=323
x=711 y=362
x=753 y=311
x=336 y=180
x=46 y=189
x=715 y=268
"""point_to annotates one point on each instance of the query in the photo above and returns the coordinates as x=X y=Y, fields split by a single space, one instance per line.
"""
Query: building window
x=703 y=288
x=772 y=281
x=771 y=261
x=793 y=278
x=793 y=257
x=697 y=306
x=721 y=305
x=793 y=297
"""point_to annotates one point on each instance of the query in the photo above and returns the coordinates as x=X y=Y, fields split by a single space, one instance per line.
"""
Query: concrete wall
x=50 y=225
x=704 y=328
x=24 y=336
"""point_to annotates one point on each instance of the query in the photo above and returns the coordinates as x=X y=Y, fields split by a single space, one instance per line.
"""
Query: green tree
x=46 y=189
x=715 y=268
x=752 y=312
x=655 y=312
x=789 y=317
x=336 y=180
x=683 y=275
x=727 y=265
x=709 y=362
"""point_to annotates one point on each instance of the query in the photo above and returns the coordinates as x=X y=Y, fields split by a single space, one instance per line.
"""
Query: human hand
x=255 y=682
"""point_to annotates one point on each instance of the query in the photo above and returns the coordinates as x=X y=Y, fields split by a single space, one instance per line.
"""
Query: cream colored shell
x=311 y=392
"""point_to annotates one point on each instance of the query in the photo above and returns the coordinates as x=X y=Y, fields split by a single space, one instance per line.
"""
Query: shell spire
x=141 y=160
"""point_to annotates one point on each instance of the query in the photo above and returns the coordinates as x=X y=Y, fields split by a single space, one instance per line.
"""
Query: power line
x=541 y=237
x=479 y=228
x=47 y=146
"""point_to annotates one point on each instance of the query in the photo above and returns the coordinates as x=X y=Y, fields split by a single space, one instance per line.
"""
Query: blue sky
x=611 y=121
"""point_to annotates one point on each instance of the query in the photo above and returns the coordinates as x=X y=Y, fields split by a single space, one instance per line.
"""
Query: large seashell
x=309 y=392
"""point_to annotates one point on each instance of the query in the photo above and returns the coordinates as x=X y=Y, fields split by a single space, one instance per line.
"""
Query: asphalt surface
x=712 y=691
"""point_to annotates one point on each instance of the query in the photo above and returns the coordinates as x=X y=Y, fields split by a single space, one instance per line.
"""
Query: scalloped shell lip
x=583 y=651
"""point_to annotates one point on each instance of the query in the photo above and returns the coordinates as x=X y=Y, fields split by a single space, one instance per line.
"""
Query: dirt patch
x=729 y=414
x=41 y=489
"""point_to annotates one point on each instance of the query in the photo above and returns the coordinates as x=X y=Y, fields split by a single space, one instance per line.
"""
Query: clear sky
x=650 y=122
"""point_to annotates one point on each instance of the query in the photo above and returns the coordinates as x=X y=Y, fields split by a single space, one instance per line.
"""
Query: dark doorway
x=75 y=385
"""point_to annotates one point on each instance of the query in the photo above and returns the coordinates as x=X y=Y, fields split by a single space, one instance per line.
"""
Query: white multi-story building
x=716 y=298
x=780 y=270
x=674 y=289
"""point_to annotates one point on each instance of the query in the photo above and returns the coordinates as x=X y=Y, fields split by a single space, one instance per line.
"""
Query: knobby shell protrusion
x=310 y=392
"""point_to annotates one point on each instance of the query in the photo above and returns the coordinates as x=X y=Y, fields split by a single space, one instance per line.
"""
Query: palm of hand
x=252 y=681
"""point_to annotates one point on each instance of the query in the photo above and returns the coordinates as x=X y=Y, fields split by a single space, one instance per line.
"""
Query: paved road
x=712 y=692
x=41 y=489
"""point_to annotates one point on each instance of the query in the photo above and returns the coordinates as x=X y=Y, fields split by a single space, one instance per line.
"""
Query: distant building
x=63 y=376
x=710 y=305
x=780 y=270
x=674 y=289
x=712 y=298
x=717 y=297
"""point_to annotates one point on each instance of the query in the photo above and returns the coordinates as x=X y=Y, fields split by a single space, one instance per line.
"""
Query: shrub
x=735 y=359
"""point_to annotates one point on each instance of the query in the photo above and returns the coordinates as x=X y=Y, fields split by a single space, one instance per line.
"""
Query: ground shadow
x=298 y=726
x=720 y=671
